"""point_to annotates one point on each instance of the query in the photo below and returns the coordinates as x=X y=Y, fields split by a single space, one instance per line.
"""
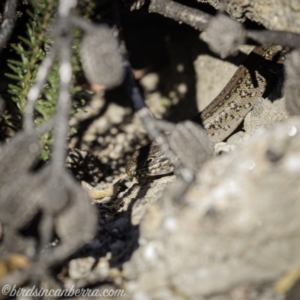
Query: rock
x=239 y=225
x=239 y=138
x=265 y=114
x=150 y=82
x=274 y=15
x=80 y=267
x=223 y=147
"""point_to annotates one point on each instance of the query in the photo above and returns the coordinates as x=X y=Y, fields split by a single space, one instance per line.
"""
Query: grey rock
x=239 y=225
x=274 y=15
x=239 y=138
x=265 y=114
x=80 y=267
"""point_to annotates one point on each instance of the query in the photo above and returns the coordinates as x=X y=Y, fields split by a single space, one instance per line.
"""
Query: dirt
x=178 y=77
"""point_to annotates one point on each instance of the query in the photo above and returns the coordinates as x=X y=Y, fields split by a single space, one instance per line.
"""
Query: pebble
x=130 y=128
x=121 y=138
x=104 y=160
x=80 y=267
x=114 y=155
x=223 y=147
x=100 y=139
x=239 y=138
x=118 y=148
x=113 y=131
x=116 y=113
x=89 y=137
x=102 y=125
x=150 y=81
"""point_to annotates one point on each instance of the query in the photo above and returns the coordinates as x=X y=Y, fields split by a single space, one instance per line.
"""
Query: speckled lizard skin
x=256 y=77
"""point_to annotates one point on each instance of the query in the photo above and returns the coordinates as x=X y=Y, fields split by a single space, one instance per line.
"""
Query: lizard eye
x=149 y=161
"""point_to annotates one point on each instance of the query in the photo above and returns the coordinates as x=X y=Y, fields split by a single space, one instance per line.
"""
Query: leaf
x=26 y=41
x=12 y=76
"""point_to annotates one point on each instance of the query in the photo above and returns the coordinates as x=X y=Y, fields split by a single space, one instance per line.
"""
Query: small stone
x=80 y=267
x=89 y=137
x=239 y=138
x=223 y=147
x=118 y=149
x=114 y=155
x=102 y=125
x=113 y=130
x=182 y=88
x=116 y=114
x=130 y=128
x=150 y=82
x=121 y=138
x=100 y=139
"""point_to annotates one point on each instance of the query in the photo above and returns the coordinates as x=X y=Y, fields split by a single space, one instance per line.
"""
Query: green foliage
x=31 y=51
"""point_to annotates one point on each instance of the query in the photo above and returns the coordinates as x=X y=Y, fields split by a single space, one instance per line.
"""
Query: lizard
x=255 y=77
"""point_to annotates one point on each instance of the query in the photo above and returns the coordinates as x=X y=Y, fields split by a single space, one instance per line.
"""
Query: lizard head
x=149 y=160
